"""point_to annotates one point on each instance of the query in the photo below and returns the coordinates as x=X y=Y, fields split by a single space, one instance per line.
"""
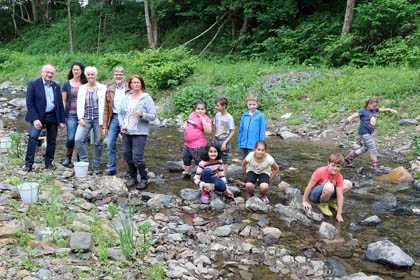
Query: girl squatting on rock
x=210 y=174
x=368 y=116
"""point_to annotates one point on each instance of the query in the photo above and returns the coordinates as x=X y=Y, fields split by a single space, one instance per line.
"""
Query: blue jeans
x=113 y=131
x=208 y=177
x=71 y=124
x=316 y=192
x=51 y=124
x=81 y=141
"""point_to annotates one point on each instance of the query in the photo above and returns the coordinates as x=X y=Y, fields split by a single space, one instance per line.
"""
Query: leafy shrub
x=184 y=100
x=304 y=42
x=342 y=50
x=378 y=20
x=396 y=51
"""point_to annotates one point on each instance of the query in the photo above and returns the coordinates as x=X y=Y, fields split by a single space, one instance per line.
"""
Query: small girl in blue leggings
x=210 y=174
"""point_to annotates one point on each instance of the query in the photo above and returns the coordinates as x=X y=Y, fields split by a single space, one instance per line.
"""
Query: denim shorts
x=225 y=154
x=316 y=192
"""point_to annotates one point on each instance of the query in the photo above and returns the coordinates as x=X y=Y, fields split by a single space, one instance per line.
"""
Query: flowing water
x=297 y=160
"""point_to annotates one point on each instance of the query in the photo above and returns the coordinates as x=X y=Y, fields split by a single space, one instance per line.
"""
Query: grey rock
x=256 y=204
x=44 y=274
x=175 y=237
x=294 y=196
x=190 y=194
x=146 y=196
x=263 y=221
x=385 y=251
x=234 y=171
x=184 y=228
x=371 y=221
x=408 y=122
x=291 y=215
x=403 y=211
x=217 y=204
x=386 y=204
x=271 y=235
x=361 y=276
x=327 y=231
x=18 y=102
x=223 y=231
x=30 y=278
x=285 y=134
x=44 y=234
x=175 y=166
x=337 y=269
x=159 y=201
x=416 y=185
x=81 y=241
x=6 y=187
x=5 y=85
x=314 y=216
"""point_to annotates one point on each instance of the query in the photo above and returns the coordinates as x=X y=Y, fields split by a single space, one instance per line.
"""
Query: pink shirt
x=194 y=136
x=321 y=176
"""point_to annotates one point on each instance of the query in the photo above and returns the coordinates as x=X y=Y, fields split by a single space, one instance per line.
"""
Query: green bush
x=378 y=20
x=184 y=99
x=396 y=51
x=342 y=50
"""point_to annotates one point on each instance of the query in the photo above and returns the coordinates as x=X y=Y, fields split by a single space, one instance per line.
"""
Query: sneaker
x=67 y=162
x=265 y=199
x=333 y=204
x=205 y=197
x=325 y=209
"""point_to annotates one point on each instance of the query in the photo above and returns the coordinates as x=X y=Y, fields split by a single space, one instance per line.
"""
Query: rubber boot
x=132 y=172
x=67 y=161
x=144 y=178
x=325 y=209
x=333 y=204
x=350 y=157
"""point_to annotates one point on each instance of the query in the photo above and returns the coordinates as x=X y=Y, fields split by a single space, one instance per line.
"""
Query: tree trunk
x=348 y=18
x=244 y=27
x=13 y=17
x=151 y=23
x=70 y=26
x=34 y=11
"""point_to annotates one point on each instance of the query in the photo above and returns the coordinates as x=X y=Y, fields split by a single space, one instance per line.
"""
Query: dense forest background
x=311 y=32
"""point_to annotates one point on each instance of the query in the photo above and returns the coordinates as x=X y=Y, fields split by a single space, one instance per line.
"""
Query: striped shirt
x=91 y=105
x=216 y=168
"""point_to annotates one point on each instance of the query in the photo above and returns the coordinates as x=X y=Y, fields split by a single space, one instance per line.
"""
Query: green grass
x=336 y=94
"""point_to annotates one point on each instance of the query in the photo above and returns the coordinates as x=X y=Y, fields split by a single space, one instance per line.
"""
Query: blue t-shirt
x=367 y=120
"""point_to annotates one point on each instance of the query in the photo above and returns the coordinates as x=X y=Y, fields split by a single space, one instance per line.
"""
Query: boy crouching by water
x=327 y=187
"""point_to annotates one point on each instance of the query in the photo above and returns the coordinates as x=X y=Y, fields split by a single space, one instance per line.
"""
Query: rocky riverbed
x=71 y=233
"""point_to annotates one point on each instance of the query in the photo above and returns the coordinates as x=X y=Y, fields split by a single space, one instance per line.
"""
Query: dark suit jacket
x=36 y=101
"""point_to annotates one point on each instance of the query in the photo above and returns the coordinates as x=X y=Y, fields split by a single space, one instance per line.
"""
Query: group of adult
x=83 y=105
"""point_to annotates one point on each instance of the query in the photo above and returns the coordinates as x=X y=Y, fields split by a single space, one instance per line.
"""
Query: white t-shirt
x=224 y=124
x=119 y=95
x=259 y=167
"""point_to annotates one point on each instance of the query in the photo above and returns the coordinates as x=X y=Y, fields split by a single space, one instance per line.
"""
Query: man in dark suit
x=45 y=110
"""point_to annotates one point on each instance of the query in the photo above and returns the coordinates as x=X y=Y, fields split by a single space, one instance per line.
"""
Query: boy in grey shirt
x=223 y=130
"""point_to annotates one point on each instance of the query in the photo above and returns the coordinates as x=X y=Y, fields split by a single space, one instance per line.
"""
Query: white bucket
x=28 y=192
x=81 y=169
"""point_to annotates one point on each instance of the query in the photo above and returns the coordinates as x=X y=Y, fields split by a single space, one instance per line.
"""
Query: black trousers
x=51 y=125
x=133 y=150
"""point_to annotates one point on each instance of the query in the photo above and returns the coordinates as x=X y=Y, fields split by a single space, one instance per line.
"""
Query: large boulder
x=18 y=102
x=327 y=231
x=190 y=194
x=81 y=241
x=396 y=176
x=291 y=215
x=385 y=251
x=256 y=204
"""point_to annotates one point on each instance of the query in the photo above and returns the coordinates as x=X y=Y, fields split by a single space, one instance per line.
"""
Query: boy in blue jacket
x=251 y=127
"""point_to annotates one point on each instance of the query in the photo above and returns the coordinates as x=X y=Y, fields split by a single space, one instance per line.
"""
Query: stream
x=297 y=160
